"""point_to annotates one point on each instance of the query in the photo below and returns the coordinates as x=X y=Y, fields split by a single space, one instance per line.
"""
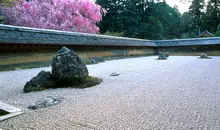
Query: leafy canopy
x=149 y=19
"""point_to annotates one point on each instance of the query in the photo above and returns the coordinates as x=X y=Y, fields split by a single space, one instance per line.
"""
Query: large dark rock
x=66 y=65
x=39 y=82
x=46 y=102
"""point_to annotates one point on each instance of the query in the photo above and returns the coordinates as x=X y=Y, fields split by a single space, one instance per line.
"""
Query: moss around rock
x=89 y=81
x=74 y=83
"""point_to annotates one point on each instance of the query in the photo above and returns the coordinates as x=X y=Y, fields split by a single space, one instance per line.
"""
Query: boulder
x=66 y=65
x=39 y=82
x=46 y=102
x=204 y=56
x=161 y=56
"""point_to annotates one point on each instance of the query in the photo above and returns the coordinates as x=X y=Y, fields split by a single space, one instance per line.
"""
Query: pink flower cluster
x=66 y=15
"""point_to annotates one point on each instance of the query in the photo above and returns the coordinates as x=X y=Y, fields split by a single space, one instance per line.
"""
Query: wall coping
x=58 y=38
x=28 y=29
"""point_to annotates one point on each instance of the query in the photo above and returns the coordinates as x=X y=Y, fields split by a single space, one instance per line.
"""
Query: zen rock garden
x=68 y=70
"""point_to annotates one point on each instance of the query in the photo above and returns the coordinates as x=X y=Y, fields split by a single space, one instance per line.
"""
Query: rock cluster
x=161 y=56
x=46 y=102
x=68 y=70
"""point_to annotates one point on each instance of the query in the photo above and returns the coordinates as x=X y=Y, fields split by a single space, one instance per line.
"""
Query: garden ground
x=182 y=92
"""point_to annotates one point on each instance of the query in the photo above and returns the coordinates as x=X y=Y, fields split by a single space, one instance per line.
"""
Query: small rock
x=96 y=60
x=16 y=69
x=46 y=102
x=205 y=56
x=38 y=82
x=166 y=55
x=114 y=74
x=93 y=61
x=162 y=56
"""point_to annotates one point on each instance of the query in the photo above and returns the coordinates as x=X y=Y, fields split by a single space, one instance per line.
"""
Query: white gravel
x=178 y=93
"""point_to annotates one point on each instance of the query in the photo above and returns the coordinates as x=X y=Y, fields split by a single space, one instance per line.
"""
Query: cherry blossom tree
x=66 y=15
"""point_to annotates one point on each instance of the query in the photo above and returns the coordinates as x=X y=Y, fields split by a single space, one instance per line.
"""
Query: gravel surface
x=178 y=93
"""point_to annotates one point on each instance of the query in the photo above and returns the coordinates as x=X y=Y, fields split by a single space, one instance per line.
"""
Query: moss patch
x=79 y=82
x=87 y=82
x=2 y=112
x=73 y=83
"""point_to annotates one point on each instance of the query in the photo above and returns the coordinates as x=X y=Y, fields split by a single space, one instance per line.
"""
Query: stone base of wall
x=210 y=50
x=31 y=56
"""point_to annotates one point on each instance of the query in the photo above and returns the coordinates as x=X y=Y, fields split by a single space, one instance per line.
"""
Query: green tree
x=154 y=29
x=212 y=17
x=134 y=18
x=185 y=22
x=217 y=33
x=196 y=14
x=112 y=21
x=218 y=27
x=168 y=16
x=185 y=25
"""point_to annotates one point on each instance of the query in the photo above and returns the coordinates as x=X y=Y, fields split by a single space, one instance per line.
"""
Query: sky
x=182 y=7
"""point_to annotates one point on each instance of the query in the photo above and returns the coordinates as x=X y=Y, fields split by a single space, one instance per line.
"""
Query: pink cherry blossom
x=66 y=15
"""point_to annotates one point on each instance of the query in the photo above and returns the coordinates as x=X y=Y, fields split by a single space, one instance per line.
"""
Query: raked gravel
x=179 y=93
